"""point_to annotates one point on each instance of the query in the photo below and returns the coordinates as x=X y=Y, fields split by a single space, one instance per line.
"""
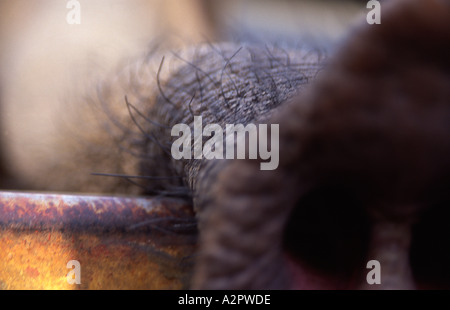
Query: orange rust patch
x=150 y=248
x=32 y=272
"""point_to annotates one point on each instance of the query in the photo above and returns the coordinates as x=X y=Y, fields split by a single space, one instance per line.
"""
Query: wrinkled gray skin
x=232 y=84
x=225 y=84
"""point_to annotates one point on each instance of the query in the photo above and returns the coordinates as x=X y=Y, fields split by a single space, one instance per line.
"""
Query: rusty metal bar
x=120 y=242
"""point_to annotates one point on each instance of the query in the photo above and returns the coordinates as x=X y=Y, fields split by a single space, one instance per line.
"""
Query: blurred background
x=44 y=60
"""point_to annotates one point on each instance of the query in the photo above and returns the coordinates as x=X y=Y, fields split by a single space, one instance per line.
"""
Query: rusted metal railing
x=119 y=242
